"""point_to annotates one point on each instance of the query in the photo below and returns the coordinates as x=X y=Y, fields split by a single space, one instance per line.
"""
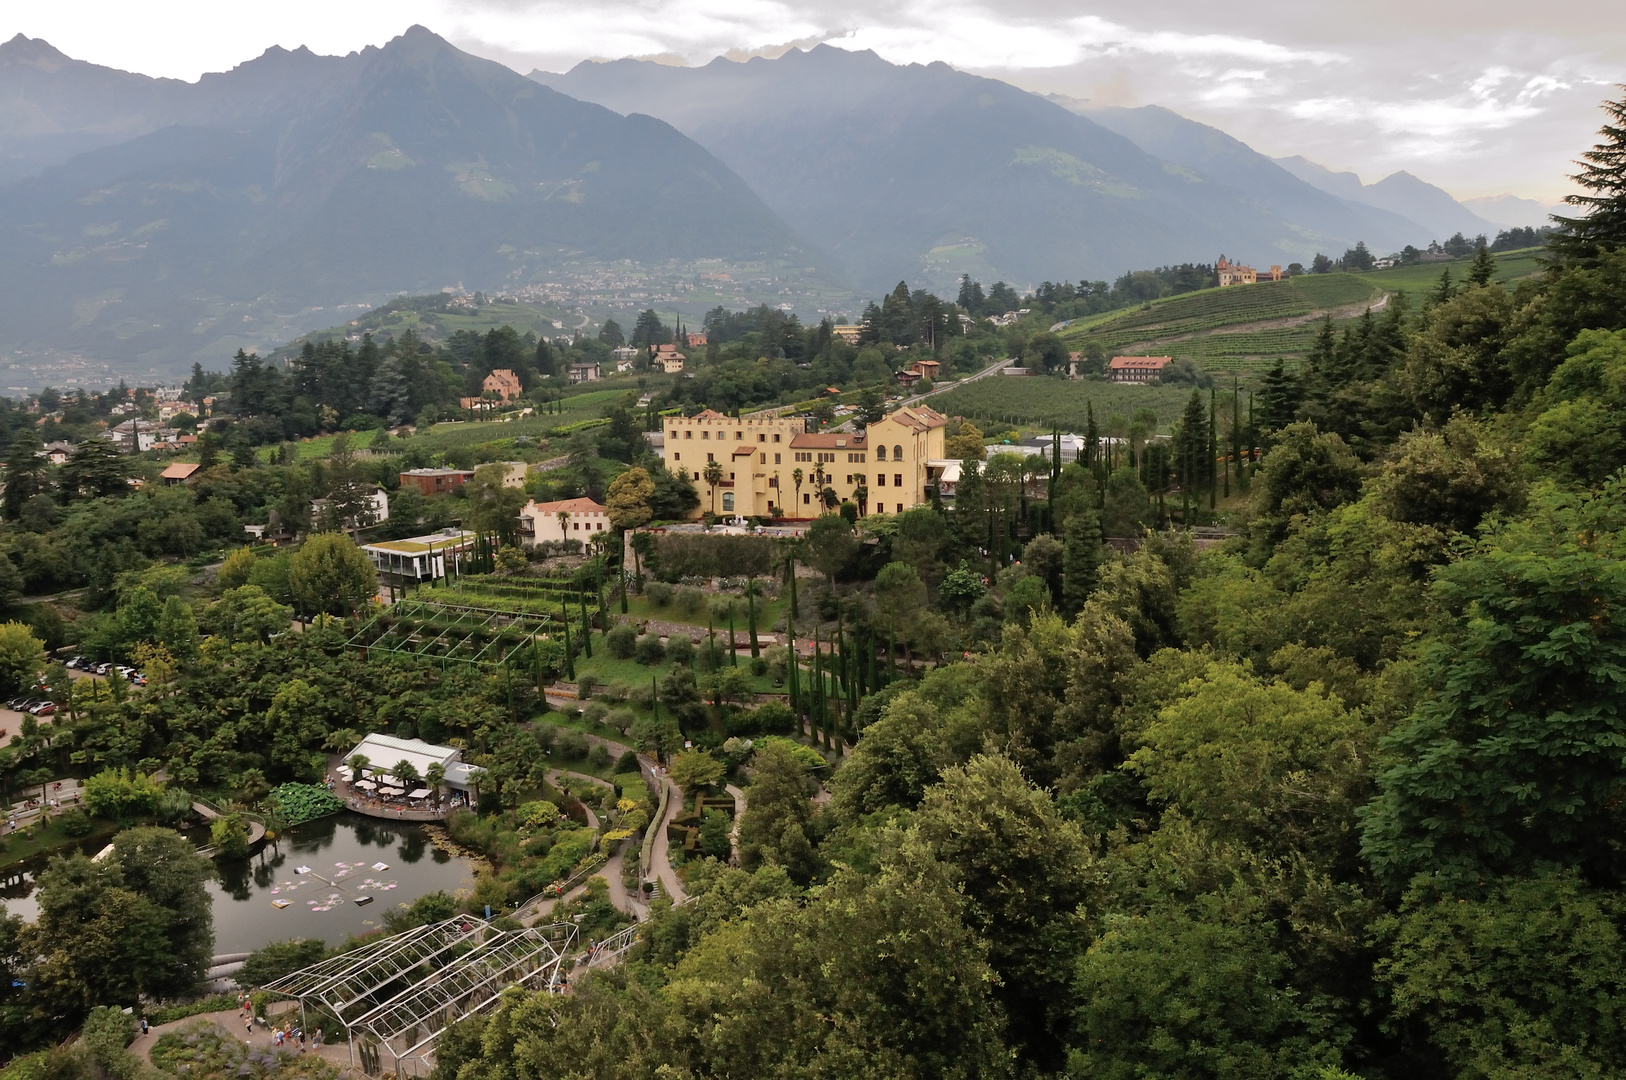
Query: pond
x=267 y=899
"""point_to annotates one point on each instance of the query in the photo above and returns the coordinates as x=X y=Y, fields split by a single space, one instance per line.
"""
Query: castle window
x=897 y=453
x=880 y=453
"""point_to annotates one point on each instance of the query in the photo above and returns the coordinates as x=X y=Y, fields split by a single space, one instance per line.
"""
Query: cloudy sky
x=1481 y=98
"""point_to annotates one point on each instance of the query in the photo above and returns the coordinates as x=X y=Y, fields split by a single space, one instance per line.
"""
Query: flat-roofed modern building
x=420 y=558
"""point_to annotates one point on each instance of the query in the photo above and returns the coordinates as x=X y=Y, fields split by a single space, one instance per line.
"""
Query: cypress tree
x=751 y=615
x=791 y=673
x=1211 y=461
x=564 y=620
x=587 y=630
x=733 y=653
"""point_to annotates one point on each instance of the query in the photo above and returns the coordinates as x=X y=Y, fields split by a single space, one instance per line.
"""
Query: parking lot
x=36 y=705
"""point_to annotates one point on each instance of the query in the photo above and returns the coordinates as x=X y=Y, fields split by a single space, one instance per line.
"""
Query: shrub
x=594 y=712
x=714 y=829
x=690 y=600
x=759 y=666
x=271 y=962
x=598 y=758
x=631 y=784
x=626 y=763
x=76 y=823
x=649 y=650
x=572 y=745
x=585 y=685
x=122 y=794
x=621 y=641
x=659 y=593
x=536 y=814
x=680 y=650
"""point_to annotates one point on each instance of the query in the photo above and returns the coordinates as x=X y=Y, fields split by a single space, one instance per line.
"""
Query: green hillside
x=1039 y=403
x=1248 y=327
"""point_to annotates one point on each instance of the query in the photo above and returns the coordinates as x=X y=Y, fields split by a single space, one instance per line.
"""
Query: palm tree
x=564 y=525
x=829 y=498
x=358 y=766
x=407 y=773
x=797 y=476
x=714 y=476
x=434 y=776
x=861 y=497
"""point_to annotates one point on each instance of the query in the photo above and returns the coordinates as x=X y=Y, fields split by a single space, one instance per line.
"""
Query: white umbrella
x=420 y=793
x=365 y=784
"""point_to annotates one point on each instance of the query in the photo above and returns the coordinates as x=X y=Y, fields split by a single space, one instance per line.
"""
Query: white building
x=385 y=752
x=377 y=502
x=420 y=558
x=568 y=519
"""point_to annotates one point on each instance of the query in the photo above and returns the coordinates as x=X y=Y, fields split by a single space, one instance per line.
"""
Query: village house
x=500 y=387
x=669 y=359
x=436 y=481
x=376 y=508
x=589 y=372
x=566 y=519
x=920 y=369
x=1138 y=369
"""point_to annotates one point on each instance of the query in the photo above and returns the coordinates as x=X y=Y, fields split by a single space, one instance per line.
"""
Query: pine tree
x=1444 y=290
x=1484 y=266
x=1279 y=399
x=1601 y=227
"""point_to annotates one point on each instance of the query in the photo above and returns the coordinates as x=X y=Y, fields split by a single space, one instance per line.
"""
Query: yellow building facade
x=761 y=457
x=754 y=452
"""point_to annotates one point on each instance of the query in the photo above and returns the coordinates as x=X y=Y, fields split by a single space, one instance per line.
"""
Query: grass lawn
x=19 y=845
x=630 y=673
x=769 y=614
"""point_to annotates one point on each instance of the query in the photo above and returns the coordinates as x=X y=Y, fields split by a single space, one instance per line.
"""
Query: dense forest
x=1341 y=795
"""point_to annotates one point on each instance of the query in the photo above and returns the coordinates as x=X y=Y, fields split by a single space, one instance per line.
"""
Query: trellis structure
x=447 y=631
x=394 y=997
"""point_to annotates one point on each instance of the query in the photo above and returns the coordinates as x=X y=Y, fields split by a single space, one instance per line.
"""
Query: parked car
x=17 y=703
x=44 y=708
x=137 y=678
x=103 y=669
x=75 y=662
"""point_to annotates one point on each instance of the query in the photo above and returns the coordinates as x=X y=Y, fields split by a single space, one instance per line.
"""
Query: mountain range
x=298 y=182
x=922 y=172
x=150 y=223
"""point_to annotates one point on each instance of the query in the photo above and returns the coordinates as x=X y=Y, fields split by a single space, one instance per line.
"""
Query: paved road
x=659 y=855
x=991 y=369
x=739 y=816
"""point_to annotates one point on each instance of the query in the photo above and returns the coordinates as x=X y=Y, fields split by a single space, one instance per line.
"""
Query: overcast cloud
x=1480 y=98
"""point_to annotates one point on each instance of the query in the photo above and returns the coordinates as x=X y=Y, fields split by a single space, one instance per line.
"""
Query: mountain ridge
x=415 y=167
x=851 y=151
x=1399 y=192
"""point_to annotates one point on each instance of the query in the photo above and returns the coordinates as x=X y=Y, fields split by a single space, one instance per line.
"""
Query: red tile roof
x=1140 y=363
x=567 y=506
